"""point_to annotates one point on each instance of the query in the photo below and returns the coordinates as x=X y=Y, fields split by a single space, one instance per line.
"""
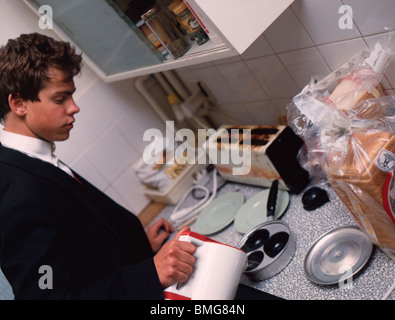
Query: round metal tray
x=346 y=249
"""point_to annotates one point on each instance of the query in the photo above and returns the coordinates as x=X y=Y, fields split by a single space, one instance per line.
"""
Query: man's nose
x=73 y=108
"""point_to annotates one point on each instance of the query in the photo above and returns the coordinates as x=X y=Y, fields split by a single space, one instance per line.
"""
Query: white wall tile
x=134 y=123
x=129 y=188
x=372 y=16
x=286 y=33
x=236 y=111
x=321 y=20
x=111 y=154
x=259 y=48
x=303 y=64
x=112 y=100
x=242 y=81
x=217 y=84
x=187 y=77
x=220 y=117
x=67 y=151
x=90 y=173
x=84 y=81
x=273 y=77
x=226 y=60
x=90 y=122
x=338 y=53
x=262 y=113
x=281 y=105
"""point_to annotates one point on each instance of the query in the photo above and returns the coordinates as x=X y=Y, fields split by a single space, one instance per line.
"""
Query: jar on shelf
x=188 y=21
x=166 y=32
x=152 y=39
x=170 y=8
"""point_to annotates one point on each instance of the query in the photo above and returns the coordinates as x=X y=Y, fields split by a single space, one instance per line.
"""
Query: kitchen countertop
x=371 y=283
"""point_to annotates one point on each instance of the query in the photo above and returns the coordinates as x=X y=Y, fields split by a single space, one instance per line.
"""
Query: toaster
x=271 y=153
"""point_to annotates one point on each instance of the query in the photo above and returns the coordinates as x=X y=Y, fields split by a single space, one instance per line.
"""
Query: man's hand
x=174 y=261
x=158 y=233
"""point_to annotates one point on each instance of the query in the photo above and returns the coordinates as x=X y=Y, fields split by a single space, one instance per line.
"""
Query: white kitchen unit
x=113 y=48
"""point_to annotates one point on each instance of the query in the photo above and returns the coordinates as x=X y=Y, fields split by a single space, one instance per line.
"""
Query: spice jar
x=188 y=21
x=152 y=39
x=166 y=32
x=177 y=21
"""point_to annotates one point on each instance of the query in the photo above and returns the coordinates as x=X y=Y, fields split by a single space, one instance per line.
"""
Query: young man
x=52 y=218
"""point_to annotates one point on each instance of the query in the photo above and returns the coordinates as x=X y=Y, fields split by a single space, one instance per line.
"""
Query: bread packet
x=348 y=125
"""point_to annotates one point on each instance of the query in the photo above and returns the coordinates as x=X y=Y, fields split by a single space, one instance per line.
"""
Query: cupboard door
x=239 y=22
x=116 y=49
x=104 y=34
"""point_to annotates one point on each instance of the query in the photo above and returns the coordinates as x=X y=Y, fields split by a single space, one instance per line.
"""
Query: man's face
x=52 y=117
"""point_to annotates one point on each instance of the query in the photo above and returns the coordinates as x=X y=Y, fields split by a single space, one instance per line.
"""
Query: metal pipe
x=140 y=86
x=177 y=84
x=164 y=83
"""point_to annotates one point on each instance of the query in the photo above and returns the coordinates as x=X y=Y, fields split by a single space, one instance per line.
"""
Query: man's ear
x=17 y=104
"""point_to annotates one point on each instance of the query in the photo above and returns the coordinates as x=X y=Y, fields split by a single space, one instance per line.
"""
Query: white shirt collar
x=33 y=147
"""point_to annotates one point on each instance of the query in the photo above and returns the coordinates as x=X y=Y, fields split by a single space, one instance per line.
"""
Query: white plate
x=219 y=213
x=253 y=212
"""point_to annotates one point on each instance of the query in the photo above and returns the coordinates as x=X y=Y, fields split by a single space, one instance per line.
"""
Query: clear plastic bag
x=356 y=80
x=348 y=127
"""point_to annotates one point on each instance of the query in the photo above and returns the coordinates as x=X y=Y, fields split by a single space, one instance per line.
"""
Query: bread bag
x=348 y=124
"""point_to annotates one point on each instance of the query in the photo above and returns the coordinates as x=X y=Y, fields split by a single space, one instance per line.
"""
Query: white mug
x=217 y=271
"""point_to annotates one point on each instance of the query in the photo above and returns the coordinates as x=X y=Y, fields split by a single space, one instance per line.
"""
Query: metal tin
x=338 y=253
x=269 y=247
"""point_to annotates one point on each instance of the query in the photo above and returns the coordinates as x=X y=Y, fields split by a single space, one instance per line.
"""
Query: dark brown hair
x=24 y=65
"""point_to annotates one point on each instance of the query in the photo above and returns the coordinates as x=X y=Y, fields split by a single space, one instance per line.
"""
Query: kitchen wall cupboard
x=115 y=48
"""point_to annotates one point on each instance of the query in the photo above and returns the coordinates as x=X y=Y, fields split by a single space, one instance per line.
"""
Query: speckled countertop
x=372 y=282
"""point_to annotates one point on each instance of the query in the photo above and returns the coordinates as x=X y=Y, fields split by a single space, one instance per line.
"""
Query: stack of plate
x=222 y=211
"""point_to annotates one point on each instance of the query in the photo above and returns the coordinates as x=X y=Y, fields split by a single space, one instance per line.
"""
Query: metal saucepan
x=270 y=245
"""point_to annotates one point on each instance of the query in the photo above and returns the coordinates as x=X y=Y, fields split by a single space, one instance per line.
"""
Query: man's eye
x=59 y=101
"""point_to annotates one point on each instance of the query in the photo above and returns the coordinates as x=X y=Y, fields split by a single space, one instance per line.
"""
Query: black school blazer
x=95 y=248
